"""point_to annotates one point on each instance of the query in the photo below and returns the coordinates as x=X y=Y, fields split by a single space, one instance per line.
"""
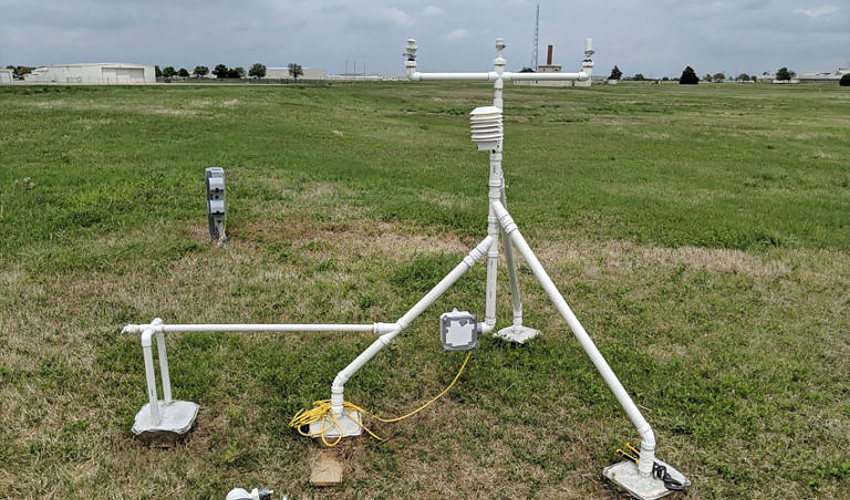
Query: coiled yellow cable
x=322 y=412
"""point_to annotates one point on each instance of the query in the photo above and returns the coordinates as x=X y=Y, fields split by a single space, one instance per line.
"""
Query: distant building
x=359 y=77
x=823 y=76
x=549 y=67
x=6 y=76
x=283 y=74
x=100 y=73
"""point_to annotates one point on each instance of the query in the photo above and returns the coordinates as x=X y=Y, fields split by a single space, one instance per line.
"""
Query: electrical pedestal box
x=459 y=331
x=216 y=209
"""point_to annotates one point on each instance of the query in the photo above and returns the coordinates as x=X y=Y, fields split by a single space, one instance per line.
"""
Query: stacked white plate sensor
x=487 y=129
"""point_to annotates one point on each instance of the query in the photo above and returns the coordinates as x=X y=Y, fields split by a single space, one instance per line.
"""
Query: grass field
x=701 y=234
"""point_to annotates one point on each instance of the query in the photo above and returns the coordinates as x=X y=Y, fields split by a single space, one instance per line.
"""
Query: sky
x=653 y=37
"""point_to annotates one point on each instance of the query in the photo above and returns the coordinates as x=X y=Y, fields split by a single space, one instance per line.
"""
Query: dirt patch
x=624 y=254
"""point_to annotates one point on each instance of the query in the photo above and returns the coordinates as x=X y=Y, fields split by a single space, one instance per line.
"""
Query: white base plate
x=625 y=474
x=518 y=334
x=350 y=424
x=176 y=419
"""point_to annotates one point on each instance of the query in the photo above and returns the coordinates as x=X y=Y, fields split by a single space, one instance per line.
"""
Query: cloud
x=432 y=10
x=458 y=34
x=819 y=12
x=380 y=18
x=397 y=16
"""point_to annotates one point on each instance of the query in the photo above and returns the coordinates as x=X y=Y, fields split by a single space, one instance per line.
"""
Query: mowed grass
x=699 y=233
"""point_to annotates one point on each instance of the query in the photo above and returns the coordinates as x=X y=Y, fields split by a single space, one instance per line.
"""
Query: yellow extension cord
x=321 y=411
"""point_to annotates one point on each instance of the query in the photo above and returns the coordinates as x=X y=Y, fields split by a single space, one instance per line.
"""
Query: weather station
x=330 y=420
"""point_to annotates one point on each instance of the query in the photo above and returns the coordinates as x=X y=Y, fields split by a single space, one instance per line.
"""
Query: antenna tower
x=534 y=43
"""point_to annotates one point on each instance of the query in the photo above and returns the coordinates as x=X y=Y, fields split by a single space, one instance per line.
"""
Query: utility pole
x=534 y=43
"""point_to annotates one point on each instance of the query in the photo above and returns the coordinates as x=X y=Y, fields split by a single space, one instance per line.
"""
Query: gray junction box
x=459 y=331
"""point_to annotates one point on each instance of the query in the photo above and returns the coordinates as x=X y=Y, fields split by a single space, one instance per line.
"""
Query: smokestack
x=549 y=56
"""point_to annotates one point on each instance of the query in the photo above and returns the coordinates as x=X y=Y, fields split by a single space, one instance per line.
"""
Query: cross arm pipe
x=492 y=76
x=647 y=445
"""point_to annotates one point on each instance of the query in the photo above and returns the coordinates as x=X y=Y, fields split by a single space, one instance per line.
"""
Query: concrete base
x=350 y=424
x=176 y=420
x=518 y=334
x=625 y=474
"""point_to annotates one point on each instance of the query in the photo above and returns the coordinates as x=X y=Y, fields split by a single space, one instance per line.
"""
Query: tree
x=707 y=77
x=616 y=74
x=157 y=71
x=20 y=71
x=718 y=77
x=168 y=71
x=237 y=72
x=257 y=70
x=295 y=70
x=220 y=71
x=526 y=69
x=754 y=78
x=845 y=80
x=200 y=71
x=183 y=73
x=639 y=77
x=784 y=74
x=743 y=77
x=689 y=77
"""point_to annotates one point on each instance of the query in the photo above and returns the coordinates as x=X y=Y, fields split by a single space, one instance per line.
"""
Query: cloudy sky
x=653 y=37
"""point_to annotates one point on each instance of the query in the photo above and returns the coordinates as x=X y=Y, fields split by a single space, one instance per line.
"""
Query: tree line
x=222 y=71
x=689 y=76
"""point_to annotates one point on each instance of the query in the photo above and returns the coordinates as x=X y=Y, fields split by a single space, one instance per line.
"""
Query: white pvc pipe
x=647 y=446
x=150 y=376
x=471 y=258
x=337 y=388
x=495 y=185
x=492 y=76
x=163 y=363
x=235 y=327
x=467 y=77
x=516 y=299
x=517 y=77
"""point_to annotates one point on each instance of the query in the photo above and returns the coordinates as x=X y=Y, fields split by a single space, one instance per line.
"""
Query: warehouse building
x=101 y=73
x=823 y=76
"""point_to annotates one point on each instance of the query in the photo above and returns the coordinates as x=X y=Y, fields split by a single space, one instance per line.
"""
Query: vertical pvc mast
x=647 y=445
x=495 y=192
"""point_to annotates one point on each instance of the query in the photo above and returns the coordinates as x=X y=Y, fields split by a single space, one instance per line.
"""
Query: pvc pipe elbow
x=487 y=326
x=147 y=336
x=647 y=451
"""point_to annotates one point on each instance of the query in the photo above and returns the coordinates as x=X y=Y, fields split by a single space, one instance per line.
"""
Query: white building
x=5 y=76
x=283 y=74
x=103 y=73
x=823 y=76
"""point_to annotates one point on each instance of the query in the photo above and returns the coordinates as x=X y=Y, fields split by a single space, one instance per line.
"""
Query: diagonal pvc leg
x=637 y=480
x=338 y=386
x=647 y=447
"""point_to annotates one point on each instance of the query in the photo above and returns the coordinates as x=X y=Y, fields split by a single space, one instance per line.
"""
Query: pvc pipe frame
x=647 y=445
x=387 y=332
x=492 y=76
